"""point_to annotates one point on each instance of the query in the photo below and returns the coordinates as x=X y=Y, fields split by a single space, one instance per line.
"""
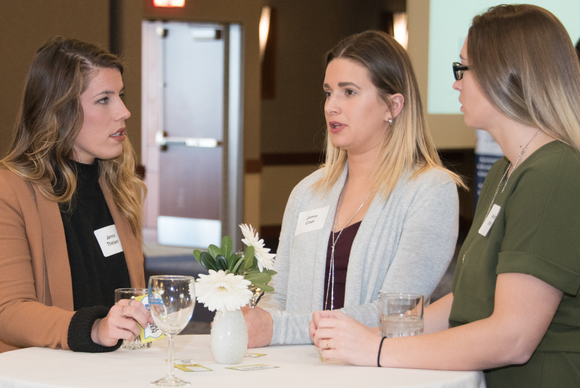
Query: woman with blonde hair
x=70 y=207
x=514 y=310
x=380 y=215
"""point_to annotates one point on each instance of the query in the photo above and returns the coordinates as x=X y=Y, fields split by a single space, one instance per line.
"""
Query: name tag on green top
x=489 y=220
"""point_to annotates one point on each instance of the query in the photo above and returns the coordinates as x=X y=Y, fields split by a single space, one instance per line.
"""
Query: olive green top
x=536 y=232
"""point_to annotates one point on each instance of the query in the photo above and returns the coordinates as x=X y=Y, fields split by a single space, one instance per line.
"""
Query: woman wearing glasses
x=70 y=208
x=381 y=215
x=514 y=311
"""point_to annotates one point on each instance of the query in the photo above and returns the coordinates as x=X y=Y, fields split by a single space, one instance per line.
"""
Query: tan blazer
x=36 y=299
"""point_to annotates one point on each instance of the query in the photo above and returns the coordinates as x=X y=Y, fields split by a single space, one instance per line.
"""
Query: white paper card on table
x=109 y=241
x=489 y=220
x=311 y=220
x=246 y=368
x=189 y=365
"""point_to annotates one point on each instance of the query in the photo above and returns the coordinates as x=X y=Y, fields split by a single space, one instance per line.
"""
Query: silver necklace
x=334 y=241
x=522 y=152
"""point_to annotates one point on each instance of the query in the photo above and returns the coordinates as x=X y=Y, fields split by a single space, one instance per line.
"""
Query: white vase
x=229 y=337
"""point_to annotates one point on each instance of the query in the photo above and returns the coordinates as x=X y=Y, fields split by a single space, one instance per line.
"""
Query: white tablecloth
x=299 y=366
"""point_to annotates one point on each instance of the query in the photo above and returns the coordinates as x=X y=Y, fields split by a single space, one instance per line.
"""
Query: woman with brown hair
x=380 y=215
x=514 y=310
x=70 y=207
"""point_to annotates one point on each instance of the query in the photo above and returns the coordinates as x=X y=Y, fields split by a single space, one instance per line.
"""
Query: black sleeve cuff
x=79 y=330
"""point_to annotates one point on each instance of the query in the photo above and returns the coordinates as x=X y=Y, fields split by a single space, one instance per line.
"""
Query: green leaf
x=270 y=272
x=196 y=254
x=258 y=277
x=221 y=263
x=237 y=266
x=207 y=261
x=227 y=246
x=264 y=287
x=214 y=251
x=249 y=257
x=232 y=260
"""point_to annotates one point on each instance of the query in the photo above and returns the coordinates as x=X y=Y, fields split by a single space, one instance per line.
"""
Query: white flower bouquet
x=234 y=279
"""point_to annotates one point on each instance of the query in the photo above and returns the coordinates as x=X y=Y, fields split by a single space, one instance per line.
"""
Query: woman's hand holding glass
x=341 y=337
x=122 y=322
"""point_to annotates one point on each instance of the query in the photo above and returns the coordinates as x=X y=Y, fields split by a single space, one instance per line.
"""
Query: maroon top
x=341 y=255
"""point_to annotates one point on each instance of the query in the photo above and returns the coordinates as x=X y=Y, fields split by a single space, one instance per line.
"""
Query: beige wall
x=126 y=42
x=449 y=131
x=293 y=121
x=25 y=25
x=280 y=182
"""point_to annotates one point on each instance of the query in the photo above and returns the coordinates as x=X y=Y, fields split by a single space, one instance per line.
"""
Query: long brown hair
x=49 y=120
x=525 y=63
x=407 y=145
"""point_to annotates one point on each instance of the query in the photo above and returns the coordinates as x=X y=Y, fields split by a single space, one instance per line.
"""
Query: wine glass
x=171 y=301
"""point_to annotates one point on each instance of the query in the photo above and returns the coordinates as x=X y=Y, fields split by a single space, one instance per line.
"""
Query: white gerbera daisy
x=263 y=256
x=221 y=291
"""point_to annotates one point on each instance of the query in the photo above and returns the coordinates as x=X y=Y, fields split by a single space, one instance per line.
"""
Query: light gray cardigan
x=404 y=244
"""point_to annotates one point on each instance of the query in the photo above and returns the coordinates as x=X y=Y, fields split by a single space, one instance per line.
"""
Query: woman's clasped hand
x=341 y=337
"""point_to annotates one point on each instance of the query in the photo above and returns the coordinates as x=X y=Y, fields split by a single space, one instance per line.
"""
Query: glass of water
x=401 y=315
x=132 y=293
x=171 y=302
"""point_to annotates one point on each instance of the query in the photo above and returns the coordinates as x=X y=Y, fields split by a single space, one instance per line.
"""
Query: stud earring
x=390 y=121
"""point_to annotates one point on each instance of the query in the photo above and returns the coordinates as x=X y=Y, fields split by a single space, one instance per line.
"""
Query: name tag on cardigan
x=489 y=220
x=311 y=220
x=109 y=240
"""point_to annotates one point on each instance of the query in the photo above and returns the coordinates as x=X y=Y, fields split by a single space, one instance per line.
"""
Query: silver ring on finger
x=130 y=300
x=123 y=311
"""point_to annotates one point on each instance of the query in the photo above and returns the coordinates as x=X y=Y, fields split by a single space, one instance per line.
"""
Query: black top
x=94 y=276
x=341 y=255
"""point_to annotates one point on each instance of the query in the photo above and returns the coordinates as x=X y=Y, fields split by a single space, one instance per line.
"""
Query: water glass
x=131 y=293
x=401 y=315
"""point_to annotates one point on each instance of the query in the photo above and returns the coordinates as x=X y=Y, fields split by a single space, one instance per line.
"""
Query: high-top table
x=299 y=366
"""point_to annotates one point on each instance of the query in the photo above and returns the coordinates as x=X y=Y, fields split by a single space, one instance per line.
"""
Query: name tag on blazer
x=311 y=220
x=109 y=241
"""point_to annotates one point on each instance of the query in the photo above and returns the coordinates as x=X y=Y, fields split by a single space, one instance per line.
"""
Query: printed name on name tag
x=311 y=220
x=489 y=220
x=109 y=241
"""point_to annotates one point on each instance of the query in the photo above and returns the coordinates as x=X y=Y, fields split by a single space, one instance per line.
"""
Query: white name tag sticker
x=489 y=220
x=109 y=241
x=311 y=220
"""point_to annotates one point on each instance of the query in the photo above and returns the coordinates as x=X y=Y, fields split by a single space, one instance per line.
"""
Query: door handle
x=162 y=140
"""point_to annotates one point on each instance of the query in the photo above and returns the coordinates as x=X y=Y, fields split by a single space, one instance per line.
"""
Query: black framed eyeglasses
x=458 y=70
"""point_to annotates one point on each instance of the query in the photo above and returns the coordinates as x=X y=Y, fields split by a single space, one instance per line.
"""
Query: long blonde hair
x=407 y=145
x=49 y=120
x=525 y=63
